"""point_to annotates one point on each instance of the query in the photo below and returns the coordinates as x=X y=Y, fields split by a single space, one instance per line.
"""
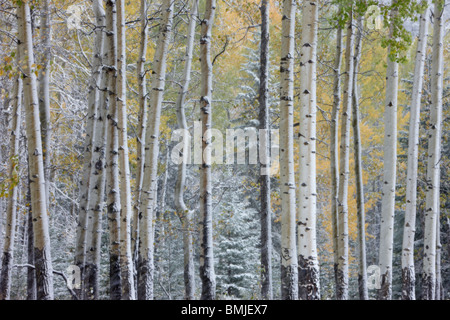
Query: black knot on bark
x=99 y=165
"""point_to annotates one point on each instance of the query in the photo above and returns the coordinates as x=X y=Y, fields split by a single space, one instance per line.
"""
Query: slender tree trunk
x=145 y=259
x=31 y=273
x=13 y=172
x=43 y=261
x=334 y=151
x=343 y=263
x=126 y=259
x=207 y=274
x=308 y=265
x=264 y=121
x=140 y=139
x=389 y=175
x=44 y=91
x=432 y=210
x=408 y=272
x=90 y=147
x=361 y=214
x=182 y=209
x=112 y=155
x=439 y=288
x=97 y=181
x=289 y=271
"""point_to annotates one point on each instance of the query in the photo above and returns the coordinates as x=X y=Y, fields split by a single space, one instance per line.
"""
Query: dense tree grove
x=224 y=149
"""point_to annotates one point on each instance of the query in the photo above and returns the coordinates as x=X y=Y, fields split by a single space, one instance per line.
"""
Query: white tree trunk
x=44 y=91
x=264 y=121
x=207 y=274
x=143 y=113
x=13 y=173
x=334 y=151
x=186 y=214
x=361 y=239
x=439 y=286
x=148 y=196
x=408 y=272
x=97 y=178
x=126 y=259
x=389 y=176
x=343 y=263
x=112 y=155
x=41 y=241
x=289 y=266
x=432 y=209
x=308 y=264
x=90 y=146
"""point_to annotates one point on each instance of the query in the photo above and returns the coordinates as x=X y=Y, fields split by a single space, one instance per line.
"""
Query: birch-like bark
x=334 y=151
x=207 y=274
x=409 y=229
x=361 y=214
x=44 y=91
x=149 y=186
x=389 y=175
x=31 y=273
x=97 y=172
x=264 y=121
x=89 y=160
x=41 y=241
x=432 y=209
x=126 y=259
x=439 y=287
x=113 y=201
x=182 y=209
x=140 y=139
x=289 y=266
x=308 y=265
x=343 y=263
x=96 y=202
x=10 y=228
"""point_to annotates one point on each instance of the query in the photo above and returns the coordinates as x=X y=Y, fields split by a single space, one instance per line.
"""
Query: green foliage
x=399 y=40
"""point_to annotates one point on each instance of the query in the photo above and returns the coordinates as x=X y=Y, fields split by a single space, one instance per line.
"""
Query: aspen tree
x=334 y=148
x=91 y=147
x=44 y=90
x=182 y=209
x=112 y=154
x=308 y=265
x=149 y=186
x=126 y=259
x=389 y=172
x=361 y=238
x=41 y=238
x=11 y=211
x=343 y=263
x=97 y=178
x=289 y=272
x=31 y=273
x=264 y=121
x=408 y=272
x=439 y=284
x=432 y=209
x=143 y=113
x=207 y=274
